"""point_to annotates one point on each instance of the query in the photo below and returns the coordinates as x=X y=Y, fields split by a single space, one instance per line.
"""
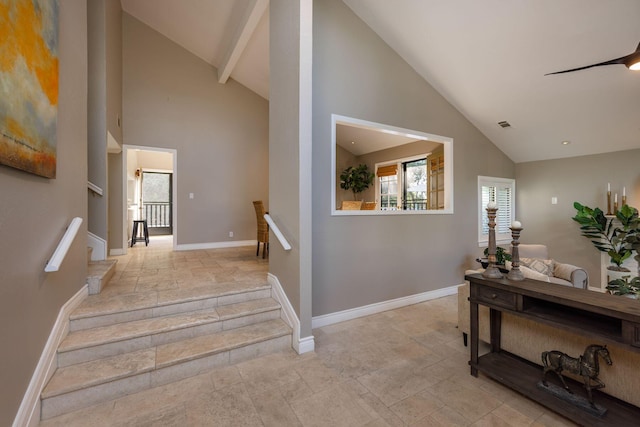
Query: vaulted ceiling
x=487 y=58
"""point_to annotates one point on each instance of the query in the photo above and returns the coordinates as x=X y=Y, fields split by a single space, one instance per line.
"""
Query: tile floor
x=401 y=367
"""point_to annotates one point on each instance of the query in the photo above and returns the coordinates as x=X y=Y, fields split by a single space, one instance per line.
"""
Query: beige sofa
x=529 y=339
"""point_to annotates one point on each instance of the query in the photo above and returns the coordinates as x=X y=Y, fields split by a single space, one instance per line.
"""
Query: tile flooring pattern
x=401 y=367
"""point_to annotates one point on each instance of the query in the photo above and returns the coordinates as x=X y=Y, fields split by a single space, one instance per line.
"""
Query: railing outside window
x=157 y=214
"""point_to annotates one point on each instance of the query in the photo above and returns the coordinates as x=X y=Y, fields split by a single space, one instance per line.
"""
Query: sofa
x=528 y=339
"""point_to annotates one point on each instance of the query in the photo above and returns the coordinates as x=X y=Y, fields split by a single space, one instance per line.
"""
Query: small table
x=144 y=231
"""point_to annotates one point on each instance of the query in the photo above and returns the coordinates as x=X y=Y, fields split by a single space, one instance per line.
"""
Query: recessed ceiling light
x=566 y=142
x=353 y=142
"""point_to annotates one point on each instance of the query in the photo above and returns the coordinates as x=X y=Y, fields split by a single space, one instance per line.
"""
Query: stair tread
x=96 y=372
x=101 y=371
x=96 y=305
x=206 y=345
x=100 y=268
x=128 y=330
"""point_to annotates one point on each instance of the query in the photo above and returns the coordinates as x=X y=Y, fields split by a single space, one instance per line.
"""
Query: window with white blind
x=502 y=191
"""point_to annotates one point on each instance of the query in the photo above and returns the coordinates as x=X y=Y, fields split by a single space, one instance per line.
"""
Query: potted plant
x=625 y=286
x=606 y=235
x=357 y=179
x=502 y=257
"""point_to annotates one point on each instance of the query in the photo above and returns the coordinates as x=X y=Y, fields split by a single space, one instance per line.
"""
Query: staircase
x=126 y=343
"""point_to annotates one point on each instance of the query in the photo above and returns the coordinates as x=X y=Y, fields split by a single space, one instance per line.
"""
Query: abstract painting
x=29 y=85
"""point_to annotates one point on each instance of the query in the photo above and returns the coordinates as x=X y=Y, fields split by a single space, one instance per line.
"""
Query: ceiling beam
x=243 y=34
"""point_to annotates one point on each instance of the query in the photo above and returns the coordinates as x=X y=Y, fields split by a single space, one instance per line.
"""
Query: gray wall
x=578 y=179
x=171 y=99
x=113 y=19
x=105 y=106
x=97 y=103
x=34 y=213
x=361 y=260
x=288 y=172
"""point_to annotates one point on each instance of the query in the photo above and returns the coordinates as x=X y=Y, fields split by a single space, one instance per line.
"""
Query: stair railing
x=61 y=251
x=283 y=241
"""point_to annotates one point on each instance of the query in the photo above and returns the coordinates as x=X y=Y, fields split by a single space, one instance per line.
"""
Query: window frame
x=488 y=181
x=400 y=177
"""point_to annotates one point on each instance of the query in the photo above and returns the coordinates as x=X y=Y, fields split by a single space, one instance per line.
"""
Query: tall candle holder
x=492 y=272
x=609 y=203
x=624 y=200
x=515 y=273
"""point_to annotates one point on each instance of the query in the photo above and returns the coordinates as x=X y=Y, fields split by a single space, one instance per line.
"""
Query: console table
x=601 y=317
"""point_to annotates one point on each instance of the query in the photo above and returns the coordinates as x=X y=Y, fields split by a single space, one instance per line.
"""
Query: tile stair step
x=86 y=384
x=97 y=310
x=99 y=274
x=88 y=344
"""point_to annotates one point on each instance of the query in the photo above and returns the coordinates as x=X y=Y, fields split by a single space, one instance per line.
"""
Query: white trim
x=99 y=246
x=117 y=252
x=215 y=245
x=288 y=314
x=29 y=411
x=379 y=307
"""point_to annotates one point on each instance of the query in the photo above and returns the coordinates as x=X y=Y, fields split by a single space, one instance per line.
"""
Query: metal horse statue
x=586 y=366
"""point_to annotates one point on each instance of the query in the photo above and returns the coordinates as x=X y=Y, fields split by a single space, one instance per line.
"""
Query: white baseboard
x=29 y=411
x=99 y=246
x=117 y=252
x=354 y=313
x=216 y=245
x=300 y=345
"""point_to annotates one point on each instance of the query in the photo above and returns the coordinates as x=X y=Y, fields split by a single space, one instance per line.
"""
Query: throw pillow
x=543 y=266
x=532 y=274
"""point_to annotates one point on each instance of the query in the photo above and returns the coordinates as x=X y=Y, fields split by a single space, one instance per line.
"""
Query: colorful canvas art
x=29 y=85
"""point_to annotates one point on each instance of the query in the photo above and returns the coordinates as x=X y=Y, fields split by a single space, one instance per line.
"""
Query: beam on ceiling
x=243 y=34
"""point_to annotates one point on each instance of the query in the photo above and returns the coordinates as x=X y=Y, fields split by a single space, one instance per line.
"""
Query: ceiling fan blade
x=610 y=62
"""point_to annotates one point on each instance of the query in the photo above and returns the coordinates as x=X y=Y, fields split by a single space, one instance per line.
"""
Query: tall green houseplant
x=357 y=179
x=606 y=235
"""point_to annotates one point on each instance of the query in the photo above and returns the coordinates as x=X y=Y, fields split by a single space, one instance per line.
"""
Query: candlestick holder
x=615 y=208
x=492 y=272
x=624 y=200
x=515 y=273
x=609 y=203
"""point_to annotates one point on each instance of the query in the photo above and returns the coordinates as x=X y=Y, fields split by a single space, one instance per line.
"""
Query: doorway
x=149 y=190
x=156 y=202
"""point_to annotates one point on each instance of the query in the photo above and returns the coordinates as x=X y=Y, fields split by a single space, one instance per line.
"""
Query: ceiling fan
x=632 y=61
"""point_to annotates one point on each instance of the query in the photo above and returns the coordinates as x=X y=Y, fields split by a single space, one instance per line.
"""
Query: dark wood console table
x=603 y=318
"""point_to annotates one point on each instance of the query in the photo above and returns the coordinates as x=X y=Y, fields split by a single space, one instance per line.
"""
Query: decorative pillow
x=532 y=274
x=543 y=266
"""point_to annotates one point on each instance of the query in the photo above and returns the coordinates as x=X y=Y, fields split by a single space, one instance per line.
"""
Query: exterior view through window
x=156 y=202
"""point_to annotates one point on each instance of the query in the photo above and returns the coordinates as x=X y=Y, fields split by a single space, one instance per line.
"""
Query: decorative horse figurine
x=586 y=366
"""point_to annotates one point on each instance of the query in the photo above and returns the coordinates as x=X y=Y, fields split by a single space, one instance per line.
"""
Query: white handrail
x=285 y=245
x=94 y=188
x=61 y=251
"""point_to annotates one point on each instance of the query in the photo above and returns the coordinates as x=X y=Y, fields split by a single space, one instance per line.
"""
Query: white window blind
x=501 y=191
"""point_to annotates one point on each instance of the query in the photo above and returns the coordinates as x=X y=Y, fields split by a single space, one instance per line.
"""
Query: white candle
x=491 y=205
x=615 y=198
x=624 y=191
x=608 y=186
x=516 y=224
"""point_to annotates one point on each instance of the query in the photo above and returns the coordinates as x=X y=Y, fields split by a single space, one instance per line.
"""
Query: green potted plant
x=625 y=286
x=357 y=179
x=502 y=257
x=606 y=235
